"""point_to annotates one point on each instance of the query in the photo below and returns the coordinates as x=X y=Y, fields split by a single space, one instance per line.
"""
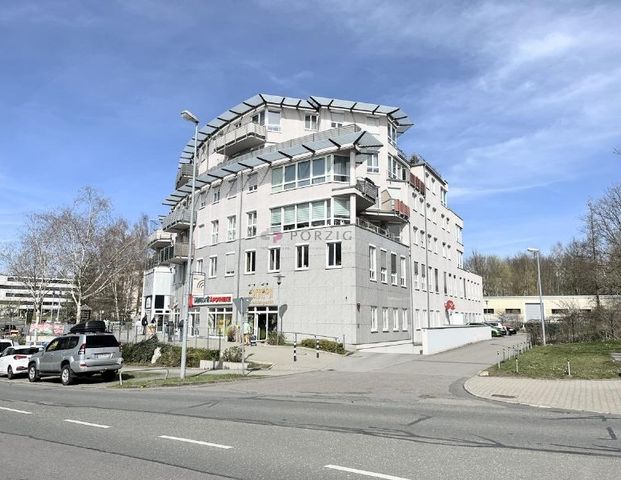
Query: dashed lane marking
x=16 y=411
x=96 y=425
x=365 y=472
x=197 y=442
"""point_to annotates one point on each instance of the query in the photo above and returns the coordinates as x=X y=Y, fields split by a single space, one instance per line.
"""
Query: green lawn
x=146 y=380
x=587 y=360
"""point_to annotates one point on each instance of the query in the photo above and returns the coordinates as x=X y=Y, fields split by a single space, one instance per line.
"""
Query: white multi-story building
x=16 y=300
x=311 y=204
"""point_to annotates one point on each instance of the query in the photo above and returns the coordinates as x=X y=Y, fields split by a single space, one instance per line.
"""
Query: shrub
x=232 y=354
x=142 y=353
x=274 y=338
x=325 y=345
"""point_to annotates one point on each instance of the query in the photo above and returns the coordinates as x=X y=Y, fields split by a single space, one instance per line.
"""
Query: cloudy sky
x=517 y=104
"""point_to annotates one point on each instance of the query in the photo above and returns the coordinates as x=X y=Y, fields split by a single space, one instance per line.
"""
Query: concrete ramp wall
x=440 y=339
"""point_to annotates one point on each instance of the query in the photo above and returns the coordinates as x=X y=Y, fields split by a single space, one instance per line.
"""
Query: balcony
x=361 y=222
x=177 y=253
x=184 y=174
x=365 y=190
x=177 y=221
x=242 y=138
x=389 y=210
x=159 y=239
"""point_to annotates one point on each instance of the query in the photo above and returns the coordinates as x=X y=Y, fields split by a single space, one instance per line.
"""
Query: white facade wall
x=332 y=302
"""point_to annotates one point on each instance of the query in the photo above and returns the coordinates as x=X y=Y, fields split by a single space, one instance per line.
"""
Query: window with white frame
x=202 y=199
x=444 y=249
x=213 y=266
x=303 y=215
x=422 y=238
x=373 y=319
x=341 y=211
x=341 y=168
x=273 y=120
x=429 y=279
x=229 y=263
x=435 y=245
x=392 y=134
x=385 y=319
x=404 y=319
x=395 y=319
x=232 y=227
x=251 y=261
x=415 y=235
x=311 y=121
x=372 y=163
x=396 y=170
x=459 y=232
x=303 y=173
x=460 y=259
x=415 y=275
x=252 y=224
x=232 y=188
x=215 y=226
x=202 y=238
x=437 y=280
x=448 y=252
x=252 y=183
x=402 y=272
x=259 y=117
x=215 y=195
x=337 y=119
x=429 y=243
x=334 y=252
x=445 y=284
x=198 y=268
x=393 y=268
x=383 y=266
x=301 y=257
x=372 y=263
x=274 y=259
x=423 y=277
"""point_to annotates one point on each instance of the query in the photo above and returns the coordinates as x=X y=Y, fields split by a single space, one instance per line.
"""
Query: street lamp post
x=278 y=278
x=537 y=254
x=190 y=117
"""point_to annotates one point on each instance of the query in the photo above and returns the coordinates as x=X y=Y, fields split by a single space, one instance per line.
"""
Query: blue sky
x=517 y=104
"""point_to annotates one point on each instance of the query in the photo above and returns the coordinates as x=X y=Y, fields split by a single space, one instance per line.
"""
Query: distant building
x=527 y=308
x=309 y=203
x=16 y=300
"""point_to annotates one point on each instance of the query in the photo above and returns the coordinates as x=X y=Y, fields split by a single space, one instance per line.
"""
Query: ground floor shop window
x=262 y=320
x=219 y=319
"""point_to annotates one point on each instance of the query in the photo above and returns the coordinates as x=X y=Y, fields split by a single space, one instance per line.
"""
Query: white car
x=14 y=360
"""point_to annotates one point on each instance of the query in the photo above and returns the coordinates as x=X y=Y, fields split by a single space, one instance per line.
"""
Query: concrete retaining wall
x=440 y=339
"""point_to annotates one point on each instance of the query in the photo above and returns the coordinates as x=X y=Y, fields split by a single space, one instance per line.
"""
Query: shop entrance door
x=260 y=326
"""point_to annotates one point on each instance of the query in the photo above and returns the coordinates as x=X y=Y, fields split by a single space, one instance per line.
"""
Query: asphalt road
x=375 y=416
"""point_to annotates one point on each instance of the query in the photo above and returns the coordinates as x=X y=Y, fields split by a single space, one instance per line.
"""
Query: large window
x=415 y=275
x=383 y=266
x=311 y=121
x=396 y=170
x=395 y=319
x=229 y=263
x=372 y=263
x=402 y=272
x=301 y=257
x=385 y=319
x=393 y=268
x=274 y=260
x=252 y=224
x=251 y=261
x=215 y=224
x=341 y=211
x=232 y=227
x=259 y=117
x=404 y=319
x=334 y=254
x=373 y=163
x=273 y=120
x=307 y=172
x=392 y=134
x=213 y=266
x=307 y=214
x=373 y=319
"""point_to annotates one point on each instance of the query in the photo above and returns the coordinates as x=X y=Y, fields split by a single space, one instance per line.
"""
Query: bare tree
x=33 y=263
x=90 y=245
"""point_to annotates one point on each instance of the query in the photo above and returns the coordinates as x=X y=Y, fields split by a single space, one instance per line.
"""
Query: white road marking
x=16 y=411
x=198 y=442
x=364 y=472
x=86 y=423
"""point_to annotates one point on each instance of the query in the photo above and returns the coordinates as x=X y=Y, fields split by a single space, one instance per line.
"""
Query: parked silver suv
x=75 y=355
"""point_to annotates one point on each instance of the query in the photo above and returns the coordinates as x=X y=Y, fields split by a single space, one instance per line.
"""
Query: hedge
x=325 y=345
x=142 y=353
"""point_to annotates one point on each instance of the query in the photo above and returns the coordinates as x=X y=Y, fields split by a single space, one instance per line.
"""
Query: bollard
x=317 y=345
x=568 y=368
x=517 y=367
x=295 y=344
x=503 y=354
x=498 y=359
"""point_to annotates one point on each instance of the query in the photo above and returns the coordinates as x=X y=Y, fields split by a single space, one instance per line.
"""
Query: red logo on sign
x=449 y=305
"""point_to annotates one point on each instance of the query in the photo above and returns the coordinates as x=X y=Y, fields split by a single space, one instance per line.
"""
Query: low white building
x=16 y=299
x=309 y=203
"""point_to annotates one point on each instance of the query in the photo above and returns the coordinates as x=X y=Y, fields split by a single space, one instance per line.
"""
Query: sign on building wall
x=213 y=299
x=261 y=296
x=198 y=285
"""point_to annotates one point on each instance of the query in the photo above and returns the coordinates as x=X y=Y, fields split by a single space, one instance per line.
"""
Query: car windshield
x=101 y=341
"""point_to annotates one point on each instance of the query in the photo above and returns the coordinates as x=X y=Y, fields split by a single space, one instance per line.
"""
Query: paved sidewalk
x=600 y=396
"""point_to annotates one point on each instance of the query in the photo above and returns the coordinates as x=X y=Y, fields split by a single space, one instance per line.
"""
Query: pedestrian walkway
x=600 y=396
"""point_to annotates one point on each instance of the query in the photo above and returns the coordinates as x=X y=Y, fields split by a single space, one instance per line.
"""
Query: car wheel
x=108 y=375
x=9 y=373
x=33 y=374
x=66 y=375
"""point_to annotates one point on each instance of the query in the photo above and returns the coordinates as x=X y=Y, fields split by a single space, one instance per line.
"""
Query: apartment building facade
x=16 y=300
x=309 y=208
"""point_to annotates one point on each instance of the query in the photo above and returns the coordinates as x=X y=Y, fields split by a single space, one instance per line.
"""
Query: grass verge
x=147 y=380
x=589 y=361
